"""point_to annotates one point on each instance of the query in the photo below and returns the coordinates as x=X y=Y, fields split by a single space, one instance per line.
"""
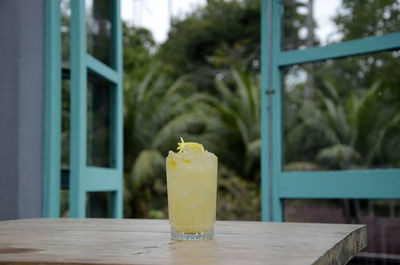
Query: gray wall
x=21 y=108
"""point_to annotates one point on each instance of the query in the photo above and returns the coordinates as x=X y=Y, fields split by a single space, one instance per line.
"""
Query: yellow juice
x=192 y=191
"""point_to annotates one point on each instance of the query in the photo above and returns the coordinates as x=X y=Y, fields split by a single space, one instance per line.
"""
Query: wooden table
x=128 y=241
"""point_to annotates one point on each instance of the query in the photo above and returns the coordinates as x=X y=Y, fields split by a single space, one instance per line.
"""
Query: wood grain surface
x=133 y=241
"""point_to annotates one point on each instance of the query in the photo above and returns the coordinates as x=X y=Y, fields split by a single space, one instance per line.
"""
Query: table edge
x=343 y=252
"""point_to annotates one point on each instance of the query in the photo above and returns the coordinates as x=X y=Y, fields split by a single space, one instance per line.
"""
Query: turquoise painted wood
x=77 y=195
x=277 y=185
x=52 y=130
x=347 y=48
x=266 y=64
x=356 y=184
x=271 y=12
x=83 y=178
x=117 y=205
x=102 y=69
x=277 y=14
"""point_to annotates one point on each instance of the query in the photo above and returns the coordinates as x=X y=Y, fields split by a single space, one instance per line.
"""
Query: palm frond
x=253 y=154
x=175 y=127
x=332 y=90
x=145 y=84
x=245 y=105
x=338 y=157
x=225 y=92
x=149 y=164
x=377 y=145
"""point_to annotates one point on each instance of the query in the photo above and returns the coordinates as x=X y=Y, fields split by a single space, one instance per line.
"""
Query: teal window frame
x=52 y=130
x=82 y=178
x=277 y=185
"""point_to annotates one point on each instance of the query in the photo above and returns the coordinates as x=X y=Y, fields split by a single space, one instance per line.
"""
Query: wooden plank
x=112 y=241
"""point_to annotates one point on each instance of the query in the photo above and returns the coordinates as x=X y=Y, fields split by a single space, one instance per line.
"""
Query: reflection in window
x=342 y=114
x=309 y=23
x=98 y=204
x=65 y=120
x=65 y=6
x=382 y=218
x=99 y=29
x=65 y=32
x=100 y=99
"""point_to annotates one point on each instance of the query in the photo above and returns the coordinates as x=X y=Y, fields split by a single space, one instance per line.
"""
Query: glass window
x=382 y=218
x=342 y=114
x=98 y=204
x=66 y=84
x=65 y=32
x=65 y=120
x=99 y=30
x=100 y=101
x=309 y=23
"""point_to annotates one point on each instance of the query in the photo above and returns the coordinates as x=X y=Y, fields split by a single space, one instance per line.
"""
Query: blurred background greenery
x=203 y=83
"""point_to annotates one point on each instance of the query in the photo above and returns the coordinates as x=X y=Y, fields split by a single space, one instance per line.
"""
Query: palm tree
x=359 y=126
x=156 y=115
x=351 y=130
x=236 y=110
x=239 y=108
x=339 y=132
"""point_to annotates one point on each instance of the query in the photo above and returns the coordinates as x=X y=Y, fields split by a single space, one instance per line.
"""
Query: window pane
x=309 y=23
x=100 y=104
x=342 y=114
x=64 y=203
x=65 y=119
x=99 y=29
x=65 y=32
x=98 y=204
x=382 y=218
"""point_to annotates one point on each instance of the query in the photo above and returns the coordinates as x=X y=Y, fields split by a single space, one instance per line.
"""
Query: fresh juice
x=192 y=191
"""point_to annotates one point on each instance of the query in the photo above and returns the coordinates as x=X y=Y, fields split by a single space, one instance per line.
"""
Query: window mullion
x=348 y=48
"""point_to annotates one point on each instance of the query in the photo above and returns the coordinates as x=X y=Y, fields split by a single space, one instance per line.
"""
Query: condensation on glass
x=342 y=114
x=99 y=30
x=100 y=121
x=310 y=23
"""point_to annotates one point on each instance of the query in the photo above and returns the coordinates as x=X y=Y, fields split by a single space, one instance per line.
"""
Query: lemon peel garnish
x=172 y=163
x=192 y=145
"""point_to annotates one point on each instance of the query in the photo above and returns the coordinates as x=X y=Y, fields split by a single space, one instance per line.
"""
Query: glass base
x=207 y=235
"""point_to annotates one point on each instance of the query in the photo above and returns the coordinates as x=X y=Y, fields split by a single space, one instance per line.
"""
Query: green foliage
x=353 y=116
x=156 y=113
x=239 y=111
x=346 y=133
x=167 y=96
x=212 y=38
x=203 y=84
x=238 y=199
x=292 y=23
x=361 y=18
x=138 y=44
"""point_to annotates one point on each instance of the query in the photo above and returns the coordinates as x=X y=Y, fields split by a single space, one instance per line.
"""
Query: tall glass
x=192 y=192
